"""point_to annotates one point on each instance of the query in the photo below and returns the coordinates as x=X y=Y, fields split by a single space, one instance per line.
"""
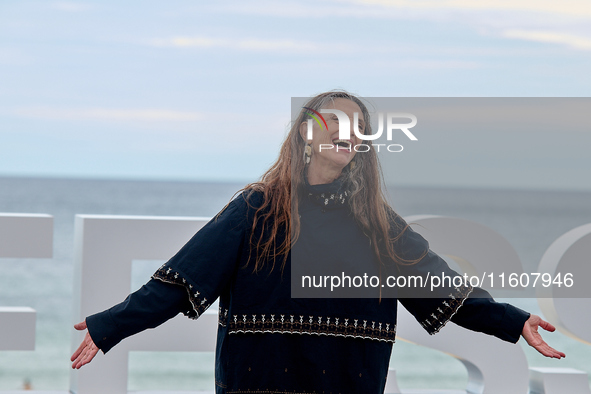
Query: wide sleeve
x=205 y=266
x=480 y=312
x=188 y=283
x=446 y=296
x=150 y=306
x=431 y=306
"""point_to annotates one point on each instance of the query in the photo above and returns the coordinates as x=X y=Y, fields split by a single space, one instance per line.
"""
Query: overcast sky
x=202 y=90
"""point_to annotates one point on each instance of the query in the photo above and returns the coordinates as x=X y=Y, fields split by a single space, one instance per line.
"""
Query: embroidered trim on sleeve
x=197 y=299
x=312 y=325
x=222 y=316
x=439 y=318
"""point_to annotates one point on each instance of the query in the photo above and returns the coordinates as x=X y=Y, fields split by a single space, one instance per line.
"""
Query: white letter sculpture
x=22 y=236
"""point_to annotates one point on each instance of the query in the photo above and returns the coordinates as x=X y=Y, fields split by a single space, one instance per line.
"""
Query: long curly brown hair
x=278 y=212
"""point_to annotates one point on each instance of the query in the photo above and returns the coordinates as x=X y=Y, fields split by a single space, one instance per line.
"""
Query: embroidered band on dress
x=312 y=325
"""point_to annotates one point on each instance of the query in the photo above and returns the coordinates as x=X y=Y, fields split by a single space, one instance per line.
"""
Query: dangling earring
x=352 y=164
x=307 y=153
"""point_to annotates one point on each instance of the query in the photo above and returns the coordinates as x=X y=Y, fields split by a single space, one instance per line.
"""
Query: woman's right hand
x=86 y=351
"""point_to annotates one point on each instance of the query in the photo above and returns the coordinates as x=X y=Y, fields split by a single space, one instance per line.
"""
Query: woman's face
x=328 y=150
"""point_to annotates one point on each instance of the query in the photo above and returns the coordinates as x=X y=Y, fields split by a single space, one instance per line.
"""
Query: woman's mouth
x=342 y=144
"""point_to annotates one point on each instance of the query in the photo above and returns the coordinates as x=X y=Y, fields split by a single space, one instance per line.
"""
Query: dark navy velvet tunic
x=269 y=342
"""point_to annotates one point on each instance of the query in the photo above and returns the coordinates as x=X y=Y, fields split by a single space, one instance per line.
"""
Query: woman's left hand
x=534 y=339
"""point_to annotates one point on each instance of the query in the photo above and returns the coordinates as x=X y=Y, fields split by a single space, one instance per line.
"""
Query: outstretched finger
x=545 y=350
x=81 y=362
x=77 y=362
x=86 y=356
x=547 y=326
x=83 y=359
x=80 y=326
x=549 y=351
x=78 y=351
x=556 y=353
